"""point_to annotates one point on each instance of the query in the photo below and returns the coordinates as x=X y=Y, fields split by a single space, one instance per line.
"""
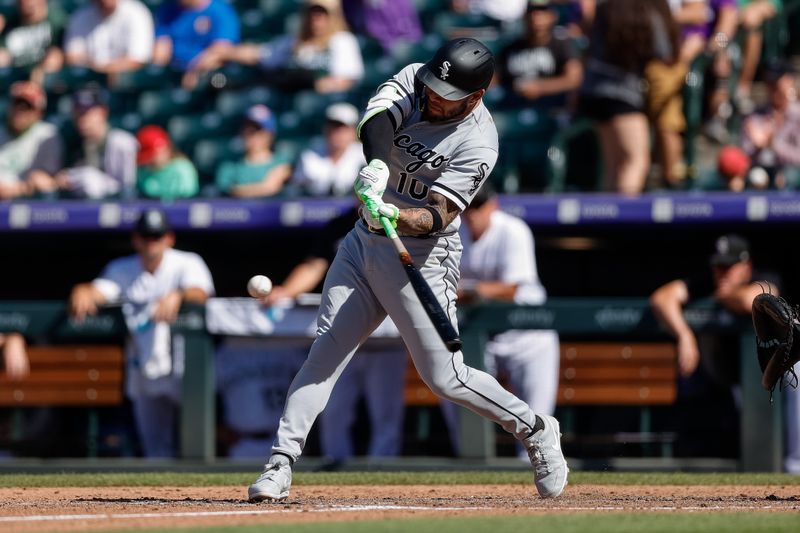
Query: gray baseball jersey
x=452 y=158
x=366 y=281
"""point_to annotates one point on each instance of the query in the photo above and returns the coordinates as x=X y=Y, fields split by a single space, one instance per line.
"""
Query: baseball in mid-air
x=259 y=286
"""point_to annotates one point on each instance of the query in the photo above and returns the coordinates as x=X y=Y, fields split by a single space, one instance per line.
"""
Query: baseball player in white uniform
x=499 y=263
x=431 y=143
x=151 y=285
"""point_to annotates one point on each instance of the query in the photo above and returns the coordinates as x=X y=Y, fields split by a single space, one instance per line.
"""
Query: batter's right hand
x=371 y=181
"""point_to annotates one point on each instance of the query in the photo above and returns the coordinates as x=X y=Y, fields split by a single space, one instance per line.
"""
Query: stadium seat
x=233 y=104
x=522 y=123
x=69 y=79
x=292 y=125
x=275 y=13
x=418 y=52
x=187 y=130
x=157 y=107
x=9 y=75
x=233 y=76
x=253 y=22
x=371 y=50
x=379 y=71
x=148 y=78
x=451 y=25
x=130 y=122
x=209 y=153
x=311 y=104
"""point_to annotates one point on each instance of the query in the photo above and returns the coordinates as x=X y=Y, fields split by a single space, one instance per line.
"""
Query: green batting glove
x=377 y=209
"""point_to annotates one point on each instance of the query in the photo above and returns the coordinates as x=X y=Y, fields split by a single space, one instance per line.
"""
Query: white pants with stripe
x=365 y=282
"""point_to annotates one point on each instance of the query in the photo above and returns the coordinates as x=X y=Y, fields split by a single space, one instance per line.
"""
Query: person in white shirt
x=327 y=167
x=499 y=263
x=323 y=55
x=151 y=285
x=110 y=36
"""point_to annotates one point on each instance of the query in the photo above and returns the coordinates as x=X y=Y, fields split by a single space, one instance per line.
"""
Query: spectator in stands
x=376 y=372
x=626 y=36
x=499 y=264
x=386 y=21
x=101 y=162
x=542 y=67
x=664 y=98
x=261 y=172
x=185 y=29
x=164 y=172
x=323 y=56
x=771 y=136
x=28 y=145
x=151 y=285
x=752 y=16
x=14 y=358
x=110 y=36
x=711 y=39
x=327 y=167
x=505 y=11
x=32 y=38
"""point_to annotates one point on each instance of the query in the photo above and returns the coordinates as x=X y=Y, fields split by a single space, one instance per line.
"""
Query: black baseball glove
x=777 y=339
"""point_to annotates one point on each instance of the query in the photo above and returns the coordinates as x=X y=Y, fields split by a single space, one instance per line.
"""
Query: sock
x=538 y=425
x=280 y=459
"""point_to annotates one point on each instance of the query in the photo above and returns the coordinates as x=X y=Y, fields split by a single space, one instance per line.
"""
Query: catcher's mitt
x=777 y=339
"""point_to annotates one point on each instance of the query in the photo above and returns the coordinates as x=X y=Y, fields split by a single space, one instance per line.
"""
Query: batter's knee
x=445 y=386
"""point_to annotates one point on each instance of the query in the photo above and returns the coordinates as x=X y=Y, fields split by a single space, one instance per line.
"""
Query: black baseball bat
x=432 y=308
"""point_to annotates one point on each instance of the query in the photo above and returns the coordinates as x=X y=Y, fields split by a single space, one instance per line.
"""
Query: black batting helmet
x=458 y=69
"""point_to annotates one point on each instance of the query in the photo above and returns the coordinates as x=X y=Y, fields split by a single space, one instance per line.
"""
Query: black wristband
x=437 y=219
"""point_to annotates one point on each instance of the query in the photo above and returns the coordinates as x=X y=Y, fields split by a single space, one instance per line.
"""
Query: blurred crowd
x=261 y=98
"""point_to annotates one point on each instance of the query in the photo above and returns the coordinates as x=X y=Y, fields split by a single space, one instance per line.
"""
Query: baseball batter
x=431 y=143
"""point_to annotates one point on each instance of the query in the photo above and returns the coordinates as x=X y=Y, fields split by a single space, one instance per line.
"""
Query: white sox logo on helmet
x=445 y=69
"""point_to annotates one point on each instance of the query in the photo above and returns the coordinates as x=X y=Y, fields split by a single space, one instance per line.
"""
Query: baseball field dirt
x=109 y=508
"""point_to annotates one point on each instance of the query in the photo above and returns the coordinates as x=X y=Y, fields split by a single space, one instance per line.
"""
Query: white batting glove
x=371 y=181
x=375 y=210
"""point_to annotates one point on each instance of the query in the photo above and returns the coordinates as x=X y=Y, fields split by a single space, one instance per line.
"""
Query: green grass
x=155 y=479
x=596 y=523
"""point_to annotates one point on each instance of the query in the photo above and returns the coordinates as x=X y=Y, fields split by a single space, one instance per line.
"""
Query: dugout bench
x=577 y=320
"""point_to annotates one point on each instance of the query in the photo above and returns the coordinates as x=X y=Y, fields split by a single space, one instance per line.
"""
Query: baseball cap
x=775 y=69
x=150 y=138
x=729 y=250
x=328 y=5
x=343 y=113
x=262 y=116
x=152 y=223
x=533 y=5
x=29 y=92
x=732 y=161
x=484 y=194
x=89 y=97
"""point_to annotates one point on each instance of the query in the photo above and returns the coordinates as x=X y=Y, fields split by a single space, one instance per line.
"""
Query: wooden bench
x=595 y=373
x=68 y=376
x=637 y=374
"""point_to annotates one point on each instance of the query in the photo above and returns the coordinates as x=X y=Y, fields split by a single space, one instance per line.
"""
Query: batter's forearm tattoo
x=420 y=220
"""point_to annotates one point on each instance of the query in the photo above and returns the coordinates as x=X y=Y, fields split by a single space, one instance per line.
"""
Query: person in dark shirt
x=733 y=283
x=543 y=66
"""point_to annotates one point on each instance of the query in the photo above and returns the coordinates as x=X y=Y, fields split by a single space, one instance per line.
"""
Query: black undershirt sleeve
x=376 y=136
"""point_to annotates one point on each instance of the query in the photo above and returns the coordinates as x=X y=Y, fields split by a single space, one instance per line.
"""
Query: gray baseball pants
x=365 y=282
